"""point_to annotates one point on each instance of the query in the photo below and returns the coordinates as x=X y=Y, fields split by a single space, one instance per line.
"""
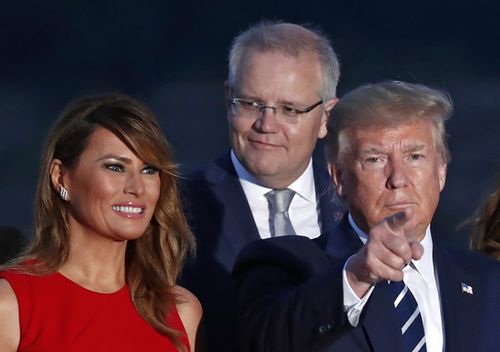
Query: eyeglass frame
x=279 y=109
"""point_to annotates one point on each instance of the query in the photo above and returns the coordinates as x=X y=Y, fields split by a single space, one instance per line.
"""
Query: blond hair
x=388 y=103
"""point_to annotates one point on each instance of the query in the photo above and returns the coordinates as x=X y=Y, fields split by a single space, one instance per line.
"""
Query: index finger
x=398 y=220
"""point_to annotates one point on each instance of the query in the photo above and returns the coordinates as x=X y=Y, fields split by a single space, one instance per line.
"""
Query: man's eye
x=114 y=167
x=250 y=105
x=290 y=110
x=416 y=156
x=373 y=159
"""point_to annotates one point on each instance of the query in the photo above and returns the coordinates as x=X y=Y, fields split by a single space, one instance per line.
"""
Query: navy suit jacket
x=221 y=219
x=290 y=298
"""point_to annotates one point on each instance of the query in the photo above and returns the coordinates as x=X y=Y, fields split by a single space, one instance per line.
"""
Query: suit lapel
x=459 y=308
x=342 y=241
x=379 y=321
x=330 y=213
x=237 y=225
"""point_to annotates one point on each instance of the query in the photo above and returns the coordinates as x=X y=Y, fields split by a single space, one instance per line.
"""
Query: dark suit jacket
x=290 y=298
x=222 y=222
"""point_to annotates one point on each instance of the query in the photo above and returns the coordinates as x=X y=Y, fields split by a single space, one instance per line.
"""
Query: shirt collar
x=425 y=265
x=362 y=236
x=303 y=186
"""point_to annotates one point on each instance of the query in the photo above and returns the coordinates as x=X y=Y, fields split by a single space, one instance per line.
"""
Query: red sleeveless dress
x=56 y=314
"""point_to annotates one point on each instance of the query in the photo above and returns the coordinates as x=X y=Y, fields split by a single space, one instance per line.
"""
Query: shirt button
x=324 y=328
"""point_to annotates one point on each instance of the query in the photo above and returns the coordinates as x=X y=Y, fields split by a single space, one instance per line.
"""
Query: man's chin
x=413 y=233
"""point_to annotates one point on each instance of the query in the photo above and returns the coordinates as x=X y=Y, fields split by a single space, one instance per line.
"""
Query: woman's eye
x=114 y=167
x=150 y=170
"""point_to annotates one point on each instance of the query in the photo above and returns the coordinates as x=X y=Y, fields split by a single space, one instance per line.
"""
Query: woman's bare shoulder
x=187 y=303
x=9 y=318
x=190 y=312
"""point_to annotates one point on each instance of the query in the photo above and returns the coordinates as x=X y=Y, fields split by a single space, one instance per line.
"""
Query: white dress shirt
x=304 y=211
x=421 y=280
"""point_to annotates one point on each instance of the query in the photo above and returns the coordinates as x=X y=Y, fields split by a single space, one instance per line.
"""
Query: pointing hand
x=385 y=254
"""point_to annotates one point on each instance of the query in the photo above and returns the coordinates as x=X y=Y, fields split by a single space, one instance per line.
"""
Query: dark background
x=172 y=56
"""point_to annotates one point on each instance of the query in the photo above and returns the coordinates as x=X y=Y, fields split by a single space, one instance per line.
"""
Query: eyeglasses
x=254 y=110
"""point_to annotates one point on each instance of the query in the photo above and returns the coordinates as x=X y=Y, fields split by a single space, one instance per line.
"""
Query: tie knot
x=280 y=199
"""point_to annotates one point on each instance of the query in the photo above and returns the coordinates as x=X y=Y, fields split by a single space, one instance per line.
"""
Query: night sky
x=173 y=58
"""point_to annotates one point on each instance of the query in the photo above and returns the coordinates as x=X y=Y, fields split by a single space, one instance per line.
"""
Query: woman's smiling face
x=112 y=193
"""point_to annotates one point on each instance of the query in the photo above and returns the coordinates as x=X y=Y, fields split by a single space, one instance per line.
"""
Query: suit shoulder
x=295 y=252
x=211 y=173
x=471 y=258
x=195 y=176
x=475 y=263
x=292 y=244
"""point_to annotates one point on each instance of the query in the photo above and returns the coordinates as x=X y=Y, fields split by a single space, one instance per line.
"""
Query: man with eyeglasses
x=281 y=87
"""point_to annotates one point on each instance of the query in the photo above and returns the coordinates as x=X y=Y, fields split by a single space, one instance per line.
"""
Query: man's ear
x=330 y=104
x=336 y=177
x=442 y=175
x=327 y=108
x=228 y=97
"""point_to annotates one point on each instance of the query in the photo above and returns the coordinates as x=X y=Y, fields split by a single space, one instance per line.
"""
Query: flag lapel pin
x=467 y=289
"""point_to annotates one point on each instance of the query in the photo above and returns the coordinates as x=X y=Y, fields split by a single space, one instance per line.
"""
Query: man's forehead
x=409 y=128
x=412 y=136
x=254 y=53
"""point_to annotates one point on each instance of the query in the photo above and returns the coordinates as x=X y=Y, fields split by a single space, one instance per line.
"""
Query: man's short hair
x=290 y=39
x=386 y=104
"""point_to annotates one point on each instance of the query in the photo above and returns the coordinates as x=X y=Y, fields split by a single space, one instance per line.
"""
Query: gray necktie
x=279 y=202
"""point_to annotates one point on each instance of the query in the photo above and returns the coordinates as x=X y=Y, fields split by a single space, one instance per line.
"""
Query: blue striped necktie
x=412 y=327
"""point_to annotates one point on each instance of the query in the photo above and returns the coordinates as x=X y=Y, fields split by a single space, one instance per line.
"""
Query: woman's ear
x=56 y=178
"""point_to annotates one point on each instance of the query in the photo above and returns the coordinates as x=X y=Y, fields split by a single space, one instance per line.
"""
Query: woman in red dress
x=110 y=239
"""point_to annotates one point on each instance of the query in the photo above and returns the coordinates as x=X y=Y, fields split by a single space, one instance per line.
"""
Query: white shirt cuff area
x=353 y=305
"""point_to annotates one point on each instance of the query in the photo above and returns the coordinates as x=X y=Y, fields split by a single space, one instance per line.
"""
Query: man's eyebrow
x=414 y=147
x=373 y=150
x=248 y=97
x=407 y=148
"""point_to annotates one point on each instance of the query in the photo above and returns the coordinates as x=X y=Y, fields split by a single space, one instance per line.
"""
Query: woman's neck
x=96 y=263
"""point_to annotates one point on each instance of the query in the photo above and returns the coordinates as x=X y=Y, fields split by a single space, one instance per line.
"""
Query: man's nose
x=268 y=121
x=397 y=174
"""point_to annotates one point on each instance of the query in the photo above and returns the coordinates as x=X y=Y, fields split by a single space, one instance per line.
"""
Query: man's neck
x=268 y=182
